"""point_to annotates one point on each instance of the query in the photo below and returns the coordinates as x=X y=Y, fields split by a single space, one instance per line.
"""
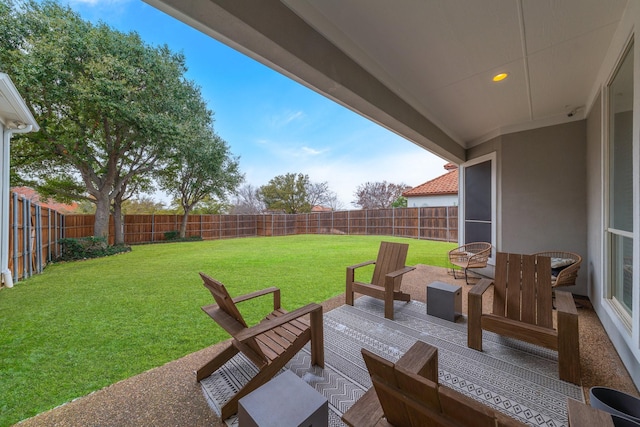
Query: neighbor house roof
x=444 y=184
x=33 y=196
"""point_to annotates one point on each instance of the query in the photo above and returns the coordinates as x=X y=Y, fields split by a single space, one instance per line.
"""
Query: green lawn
x=81 y=326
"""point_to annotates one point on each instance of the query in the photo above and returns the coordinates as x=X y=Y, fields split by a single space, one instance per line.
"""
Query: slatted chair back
x=229 y=318
x=391 y=257
x=522 y=289
x=406 y=398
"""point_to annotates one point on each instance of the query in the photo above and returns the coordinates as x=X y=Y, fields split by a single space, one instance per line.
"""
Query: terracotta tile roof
x=321 y=209
x=444 y=184
x=31 y=194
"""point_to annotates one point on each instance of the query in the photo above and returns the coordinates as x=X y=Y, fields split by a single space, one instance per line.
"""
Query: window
x=620 y=233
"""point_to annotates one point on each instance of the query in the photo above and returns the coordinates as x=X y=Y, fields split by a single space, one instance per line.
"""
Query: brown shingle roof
x=444 y=184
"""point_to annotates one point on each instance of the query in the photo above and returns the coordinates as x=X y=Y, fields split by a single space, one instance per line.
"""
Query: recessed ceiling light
x=500 y=77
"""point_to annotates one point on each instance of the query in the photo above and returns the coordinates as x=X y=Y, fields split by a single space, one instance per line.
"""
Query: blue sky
x=274 y=124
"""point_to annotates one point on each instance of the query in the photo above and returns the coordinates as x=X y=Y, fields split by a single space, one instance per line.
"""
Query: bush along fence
x=36 y=232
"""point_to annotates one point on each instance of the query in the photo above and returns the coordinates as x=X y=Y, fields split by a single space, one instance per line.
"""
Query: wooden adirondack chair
x=387 y=277
x=407 y=394
x=269 y=345
x=522 y=309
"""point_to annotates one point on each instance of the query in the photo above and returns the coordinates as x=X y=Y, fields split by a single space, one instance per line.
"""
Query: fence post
x=448 y=226
x=332 y=224
x=38 y=239
x=15 y=237
x=27 y=237
x=393 y=221
x=419 y=223
x=49 y=235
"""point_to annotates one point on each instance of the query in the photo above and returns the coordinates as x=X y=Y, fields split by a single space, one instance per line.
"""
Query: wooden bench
x=407 y=393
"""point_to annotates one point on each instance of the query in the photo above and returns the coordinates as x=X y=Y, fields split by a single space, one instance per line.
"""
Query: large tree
x=378 y=195
x=201 y=168
x=293 y=193
x=247 y=201
x=108 y=105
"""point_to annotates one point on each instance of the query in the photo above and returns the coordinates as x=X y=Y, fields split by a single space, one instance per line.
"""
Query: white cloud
x=409 y=165
x=281 y=120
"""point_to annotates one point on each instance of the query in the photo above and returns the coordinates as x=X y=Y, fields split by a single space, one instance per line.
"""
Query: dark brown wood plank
x=583 y=415
x=500 y=285
x=545 y=293
x=464 y=410
x=528 y=290
x=421 y=359
x=514 y=286
x=365 y=412
x=533 y=334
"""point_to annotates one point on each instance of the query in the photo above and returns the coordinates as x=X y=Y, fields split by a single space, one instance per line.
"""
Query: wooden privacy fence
x=436 y=223
x=34 y=231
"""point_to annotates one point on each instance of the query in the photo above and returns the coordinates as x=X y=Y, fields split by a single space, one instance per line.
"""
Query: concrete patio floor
x=170 y=396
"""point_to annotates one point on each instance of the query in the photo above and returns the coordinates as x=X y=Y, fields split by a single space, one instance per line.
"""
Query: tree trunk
x=183 y=224
x=101 y=224
x=118 y=222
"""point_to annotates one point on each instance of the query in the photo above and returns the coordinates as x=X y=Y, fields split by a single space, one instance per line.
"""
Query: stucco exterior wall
x=594 y=262
x=541 y=191
x=432 y=201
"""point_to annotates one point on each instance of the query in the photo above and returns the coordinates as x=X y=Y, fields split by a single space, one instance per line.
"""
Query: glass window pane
x=620 y=147
x=621 y=183
x=622 y=270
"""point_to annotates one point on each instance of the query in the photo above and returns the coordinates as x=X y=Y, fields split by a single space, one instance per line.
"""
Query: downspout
x=6 y=276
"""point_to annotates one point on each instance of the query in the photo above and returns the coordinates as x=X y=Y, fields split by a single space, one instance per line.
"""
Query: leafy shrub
x=88 y=247
x=171 y=235
x=174 y=236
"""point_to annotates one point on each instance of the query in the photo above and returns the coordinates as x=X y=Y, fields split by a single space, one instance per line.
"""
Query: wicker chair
x=565 y=276
x=471 y=255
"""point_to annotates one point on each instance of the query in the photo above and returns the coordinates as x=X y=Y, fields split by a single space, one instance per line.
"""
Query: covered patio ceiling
x=424 y=69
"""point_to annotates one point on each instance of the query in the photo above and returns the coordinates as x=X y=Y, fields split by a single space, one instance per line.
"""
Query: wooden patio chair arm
x=400 y=272
x=351 y=270
x=267 y=325
x=390 y=278
x=255 y=294
x=565 y=303
x=272 y=290
x=480 y=288
x=362 y=264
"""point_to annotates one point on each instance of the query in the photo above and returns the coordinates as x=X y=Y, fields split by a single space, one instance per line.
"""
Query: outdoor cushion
x=561 y=262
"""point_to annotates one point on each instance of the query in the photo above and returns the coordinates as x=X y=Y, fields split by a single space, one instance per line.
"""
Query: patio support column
x=5 y=194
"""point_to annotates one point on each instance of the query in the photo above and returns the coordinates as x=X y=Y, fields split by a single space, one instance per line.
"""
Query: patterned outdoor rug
x=516 y=378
